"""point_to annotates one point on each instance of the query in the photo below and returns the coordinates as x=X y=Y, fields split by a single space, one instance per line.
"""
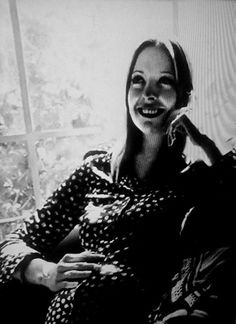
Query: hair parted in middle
x=124 y=153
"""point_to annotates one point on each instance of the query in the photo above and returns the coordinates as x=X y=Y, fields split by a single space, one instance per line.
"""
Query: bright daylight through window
x=63 y=66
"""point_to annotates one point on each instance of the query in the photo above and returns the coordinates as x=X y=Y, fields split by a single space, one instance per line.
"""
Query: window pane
x=76 y=55
x=11 y=113
x=212 y=52
x=6 y=228
x=58 y=157
x=16 y=193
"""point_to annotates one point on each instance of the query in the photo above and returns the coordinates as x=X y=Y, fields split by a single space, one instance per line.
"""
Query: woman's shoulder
x=99 y=157
x=94 y=154
x=98 y=152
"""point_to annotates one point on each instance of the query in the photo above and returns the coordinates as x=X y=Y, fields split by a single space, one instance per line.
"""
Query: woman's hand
x=182 y=124
x=66 y=273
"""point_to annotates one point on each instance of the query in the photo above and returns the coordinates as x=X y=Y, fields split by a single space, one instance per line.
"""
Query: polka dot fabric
x=134 y=224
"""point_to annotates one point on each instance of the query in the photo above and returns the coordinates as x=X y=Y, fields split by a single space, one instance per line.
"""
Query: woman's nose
x=150 y=99
x=151 y=92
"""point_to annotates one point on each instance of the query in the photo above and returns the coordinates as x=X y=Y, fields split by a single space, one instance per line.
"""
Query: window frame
x=30 y=137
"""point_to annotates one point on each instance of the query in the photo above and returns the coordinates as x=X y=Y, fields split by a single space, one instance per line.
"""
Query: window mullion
x=20 y=64
x=25 y=100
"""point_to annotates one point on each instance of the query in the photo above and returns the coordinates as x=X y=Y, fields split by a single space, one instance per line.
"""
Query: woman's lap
x=105 y=300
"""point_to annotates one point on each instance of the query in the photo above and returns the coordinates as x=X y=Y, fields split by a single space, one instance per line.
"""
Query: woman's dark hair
x=123 y=155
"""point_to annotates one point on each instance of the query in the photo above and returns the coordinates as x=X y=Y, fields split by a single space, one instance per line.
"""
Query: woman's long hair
x=123 y=154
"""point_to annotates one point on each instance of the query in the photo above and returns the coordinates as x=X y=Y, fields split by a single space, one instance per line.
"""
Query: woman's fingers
x=77 y=266
x=55 y=280
x=85 y=261
x=192 y=131
x=74 y=274
x=85 y=256
x=172 y=125
x=70 y=269
x=169 y=118
x=62 y=267
x=182 y=124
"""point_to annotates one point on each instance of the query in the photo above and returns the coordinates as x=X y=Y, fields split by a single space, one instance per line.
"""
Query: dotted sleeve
x=41 y=232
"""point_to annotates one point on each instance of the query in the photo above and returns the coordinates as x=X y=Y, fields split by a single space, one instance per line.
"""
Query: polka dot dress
x=135 y=225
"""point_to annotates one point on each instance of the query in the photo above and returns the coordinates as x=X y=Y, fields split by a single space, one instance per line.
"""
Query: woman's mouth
x=150 y=112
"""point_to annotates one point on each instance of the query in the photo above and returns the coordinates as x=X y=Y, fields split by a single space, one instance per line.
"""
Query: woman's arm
x=64 y=274
x=41 y=233
x=207 y=186
x=183 y=123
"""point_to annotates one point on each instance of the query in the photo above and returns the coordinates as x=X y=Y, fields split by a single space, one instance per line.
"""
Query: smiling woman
x=130 y=210
x=141 y=254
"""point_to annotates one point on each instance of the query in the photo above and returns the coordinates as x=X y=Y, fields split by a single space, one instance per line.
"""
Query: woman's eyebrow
x=139 y=71
x=167 y=72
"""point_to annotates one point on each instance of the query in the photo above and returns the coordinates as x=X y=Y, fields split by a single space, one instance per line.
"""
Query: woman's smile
x=150 y=112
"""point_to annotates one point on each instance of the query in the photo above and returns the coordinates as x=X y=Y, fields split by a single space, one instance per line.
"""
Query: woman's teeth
x=150 y=113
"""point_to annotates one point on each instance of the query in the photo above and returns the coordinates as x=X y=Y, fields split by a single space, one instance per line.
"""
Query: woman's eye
x=137 y=81
x=167 y=81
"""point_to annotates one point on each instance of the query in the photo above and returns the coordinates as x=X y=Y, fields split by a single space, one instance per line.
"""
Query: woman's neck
x=148 y=154
x=151 y=145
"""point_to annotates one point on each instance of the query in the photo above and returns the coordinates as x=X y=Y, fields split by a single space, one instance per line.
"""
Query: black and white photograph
x=117 y=161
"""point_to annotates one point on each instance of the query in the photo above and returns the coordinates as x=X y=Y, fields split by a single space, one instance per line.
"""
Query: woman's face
x=152 y=93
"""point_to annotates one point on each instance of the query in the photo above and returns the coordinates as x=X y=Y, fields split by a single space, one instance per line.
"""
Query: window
x=16 y=187
x=207 y=29
x=62 y=73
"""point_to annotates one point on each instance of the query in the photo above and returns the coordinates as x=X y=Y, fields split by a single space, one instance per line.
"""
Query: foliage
x=16 y=191
x=57 y=158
